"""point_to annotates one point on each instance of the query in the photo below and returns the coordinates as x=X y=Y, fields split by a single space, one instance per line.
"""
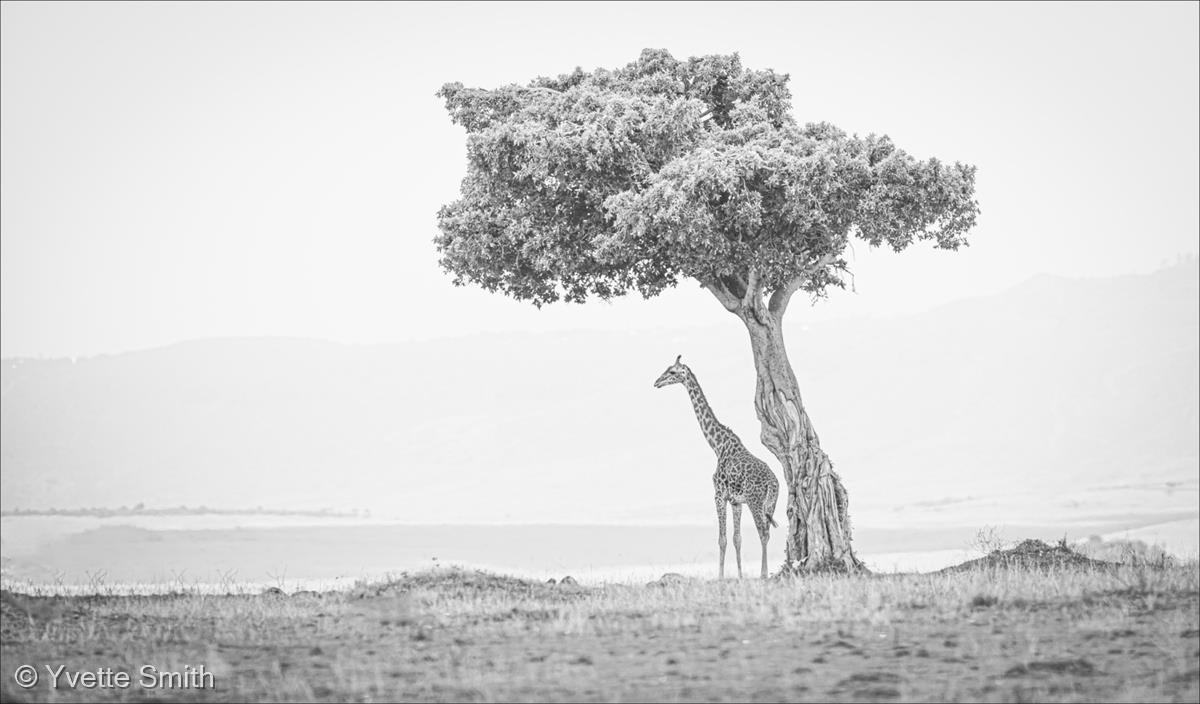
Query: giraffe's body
x=740 y=479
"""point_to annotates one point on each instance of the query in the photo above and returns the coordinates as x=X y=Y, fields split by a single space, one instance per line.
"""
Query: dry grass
x=1002 y=634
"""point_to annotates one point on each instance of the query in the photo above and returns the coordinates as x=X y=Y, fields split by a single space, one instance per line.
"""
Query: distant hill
x=1056 y=391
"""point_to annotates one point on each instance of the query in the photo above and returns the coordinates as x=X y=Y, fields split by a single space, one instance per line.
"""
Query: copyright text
x=146 y=677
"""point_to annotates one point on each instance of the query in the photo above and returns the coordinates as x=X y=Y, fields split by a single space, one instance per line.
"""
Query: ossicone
x=678 y=358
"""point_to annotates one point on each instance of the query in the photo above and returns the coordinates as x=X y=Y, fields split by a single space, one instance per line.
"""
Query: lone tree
x=602 y=183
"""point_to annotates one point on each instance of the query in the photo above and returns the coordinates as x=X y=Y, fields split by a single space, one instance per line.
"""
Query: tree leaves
x=612 y=181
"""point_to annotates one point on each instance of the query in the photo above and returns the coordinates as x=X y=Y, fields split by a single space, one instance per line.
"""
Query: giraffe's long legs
x=720 y=501
x=737 y=536
x=764 y=534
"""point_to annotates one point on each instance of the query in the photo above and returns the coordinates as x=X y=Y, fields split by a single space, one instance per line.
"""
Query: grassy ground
x=996 y=634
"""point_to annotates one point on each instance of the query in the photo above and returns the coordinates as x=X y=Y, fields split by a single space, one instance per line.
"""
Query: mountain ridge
x=1055 y=383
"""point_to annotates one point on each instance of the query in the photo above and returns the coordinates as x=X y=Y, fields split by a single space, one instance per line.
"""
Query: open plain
x=1124 y=633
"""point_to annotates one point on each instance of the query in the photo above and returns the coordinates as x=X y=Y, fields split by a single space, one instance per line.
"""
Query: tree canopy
x=603 y=183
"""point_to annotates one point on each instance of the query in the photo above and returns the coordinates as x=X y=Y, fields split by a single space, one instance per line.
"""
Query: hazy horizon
x=1098 y=377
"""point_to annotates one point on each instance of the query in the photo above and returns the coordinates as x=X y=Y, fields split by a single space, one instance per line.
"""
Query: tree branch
x=722 y=293
x=752 y=300
x=753 y=288
x=734 y=285
x=783 y=295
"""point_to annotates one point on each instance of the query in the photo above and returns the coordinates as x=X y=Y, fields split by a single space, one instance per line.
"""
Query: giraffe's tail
x=769 y=505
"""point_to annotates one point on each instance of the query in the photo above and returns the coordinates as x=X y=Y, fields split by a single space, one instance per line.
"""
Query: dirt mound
x=1031 y=554
x=669 y=579
x=458 y=583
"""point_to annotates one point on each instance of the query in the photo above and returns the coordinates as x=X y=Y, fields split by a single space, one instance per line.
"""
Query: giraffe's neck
x=720 y=438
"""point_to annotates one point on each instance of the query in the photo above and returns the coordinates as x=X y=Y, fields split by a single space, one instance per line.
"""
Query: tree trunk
x=818 y=525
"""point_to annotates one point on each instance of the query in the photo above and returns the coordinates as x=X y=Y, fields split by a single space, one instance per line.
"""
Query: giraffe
x=741 y=478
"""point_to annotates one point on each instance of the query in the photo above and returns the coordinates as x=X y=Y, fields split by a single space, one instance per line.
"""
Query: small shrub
x=988 y=540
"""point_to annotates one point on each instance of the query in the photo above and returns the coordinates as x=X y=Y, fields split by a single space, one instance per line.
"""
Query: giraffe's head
x=675 y=374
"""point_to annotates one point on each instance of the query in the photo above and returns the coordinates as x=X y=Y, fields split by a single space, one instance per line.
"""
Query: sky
x=180 y=171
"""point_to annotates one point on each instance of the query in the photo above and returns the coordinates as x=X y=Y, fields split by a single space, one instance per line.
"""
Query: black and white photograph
x=599 y=351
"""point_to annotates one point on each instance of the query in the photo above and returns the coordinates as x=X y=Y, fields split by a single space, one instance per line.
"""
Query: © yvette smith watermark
x=148 y=677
